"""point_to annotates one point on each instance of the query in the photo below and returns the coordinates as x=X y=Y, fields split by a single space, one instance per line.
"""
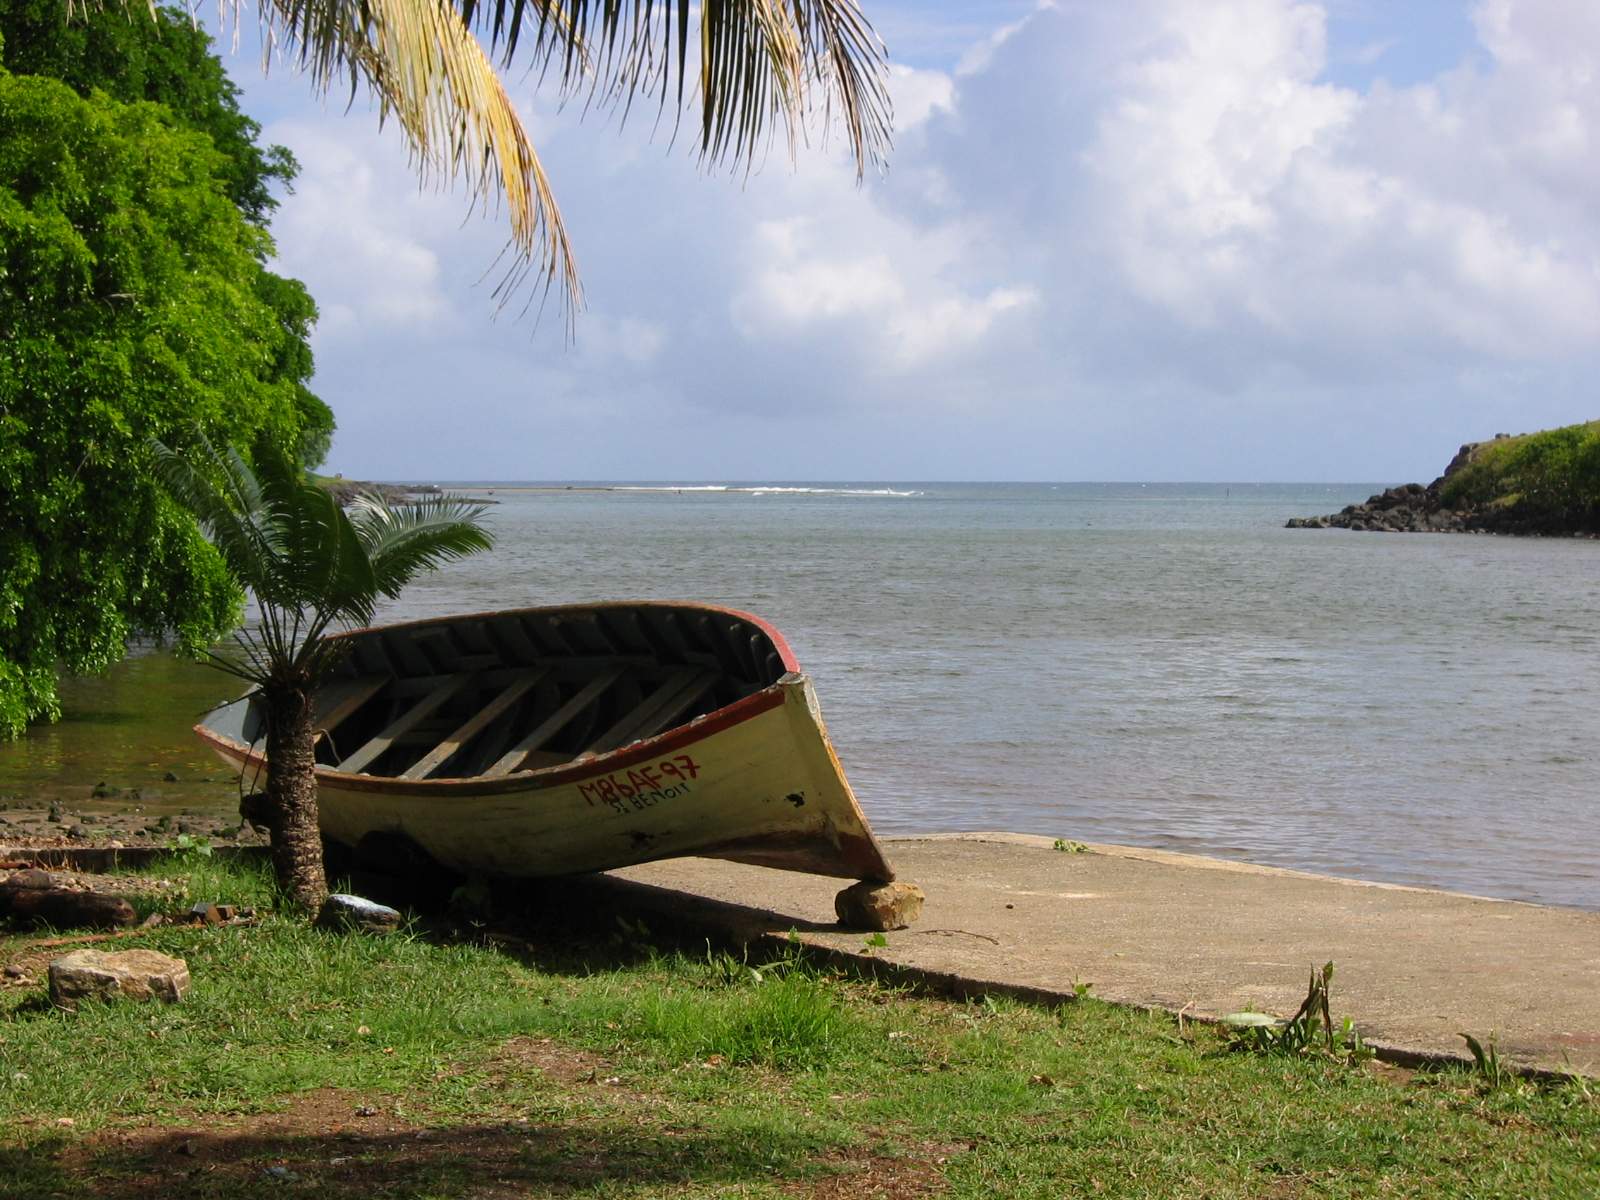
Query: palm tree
x=751 y=67
x=310 y=565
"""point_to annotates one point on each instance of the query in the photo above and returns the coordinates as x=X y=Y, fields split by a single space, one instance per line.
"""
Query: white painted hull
x=754 y=781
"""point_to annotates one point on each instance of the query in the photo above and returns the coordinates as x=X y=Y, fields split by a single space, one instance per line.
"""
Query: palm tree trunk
x=292 y=794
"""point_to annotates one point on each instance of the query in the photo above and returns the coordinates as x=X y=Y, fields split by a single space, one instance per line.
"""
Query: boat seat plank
x=405 y=722
x=683 y=703
x=554 y=723
x=474 y=725
x=549 y=628
x=657 y=710
x=339 y=701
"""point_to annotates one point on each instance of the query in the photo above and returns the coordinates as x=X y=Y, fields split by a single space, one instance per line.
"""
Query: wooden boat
x=552 y=741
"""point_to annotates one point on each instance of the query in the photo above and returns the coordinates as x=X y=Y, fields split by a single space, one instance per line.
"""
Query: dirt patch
x=564 y=1064
x=860 y=1176
x=362 y=1146
x=330 y=1142
x=339 y=1144
x=54 y=826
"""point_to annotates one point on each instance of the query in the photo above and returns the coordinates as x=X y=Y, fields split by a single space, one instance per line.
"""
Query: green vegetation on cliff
x=1549 y=478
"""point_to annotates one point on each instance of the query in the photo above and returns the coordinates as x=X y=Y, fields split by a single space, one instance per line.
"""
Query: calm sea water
x=1160 y=665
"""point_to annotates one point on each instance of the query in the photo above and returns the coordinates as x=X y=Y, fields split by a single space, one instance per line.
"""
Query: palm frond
x=761 y=64
x=225 y=500
x=320 y=566
x=402 y=540
x=757 y=67
x=430 y=74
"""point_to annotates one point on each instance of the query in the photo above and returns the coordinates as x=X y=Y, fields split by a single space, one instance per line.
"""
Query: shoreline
x=62 y=829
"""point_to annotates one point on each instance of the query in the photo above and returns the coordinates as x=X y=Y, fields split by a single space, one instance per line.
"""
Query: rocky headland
x=1541 y=485
x=345 y=490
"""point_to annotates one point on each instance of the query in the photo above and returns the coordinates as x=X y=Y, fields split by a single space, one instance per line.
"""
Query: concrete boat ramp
x=1028 y=916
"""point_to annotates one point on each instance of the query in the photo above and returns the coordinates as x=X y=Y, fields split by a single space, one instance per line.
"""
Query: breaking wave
x=765 y=489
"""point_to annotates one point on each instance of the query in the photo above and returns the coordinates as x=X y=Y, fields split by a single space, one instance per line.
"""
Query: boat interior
x=490 y=695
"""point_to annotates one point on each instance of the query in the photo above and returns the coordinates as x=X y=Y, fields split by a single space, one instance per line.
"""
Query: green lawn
x=316 y=1064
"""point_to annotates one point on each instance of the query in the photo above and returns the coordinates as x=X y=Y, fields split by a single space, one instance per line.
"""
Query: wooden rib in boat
x=552 y=741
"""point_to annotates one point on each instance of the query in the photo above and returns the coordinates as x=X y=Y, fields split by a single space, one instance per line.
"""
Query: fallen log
x=64 y=908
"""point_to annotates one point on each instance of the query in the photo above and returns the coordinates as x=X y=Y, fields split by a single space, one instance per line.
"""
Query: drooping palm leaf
x=757 y=60
x=757 y=67
x=432 y=77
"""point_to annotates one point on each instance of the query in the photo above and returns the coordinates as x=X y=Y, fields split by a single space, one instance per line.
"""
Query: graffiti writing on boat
x=642 y=787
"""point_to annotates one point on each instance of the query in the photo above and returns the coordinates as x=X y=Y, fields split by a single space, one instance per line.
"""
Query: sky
x=1195 y=240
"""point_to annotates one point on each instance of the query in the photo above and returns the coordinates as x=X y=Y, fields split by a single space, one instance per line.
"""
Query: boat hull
x=756 y=781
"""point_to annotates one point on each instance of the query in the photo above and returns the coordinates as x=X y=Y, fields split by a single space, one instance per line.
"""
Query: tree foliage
x=168 y=61
x=132 y=301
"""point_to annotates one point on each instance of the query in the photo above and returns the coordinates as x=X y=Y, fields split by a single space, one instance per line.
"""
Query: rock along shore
x=345 y=490
x=1413 y=508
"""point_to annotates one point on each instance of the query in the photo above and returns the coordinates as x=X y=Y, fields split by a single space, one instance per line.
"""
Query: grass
x=307 y=1063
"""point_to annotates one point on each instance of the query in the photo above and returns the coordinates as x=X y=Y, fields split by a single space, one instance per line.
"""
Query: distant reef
x=1544 y=484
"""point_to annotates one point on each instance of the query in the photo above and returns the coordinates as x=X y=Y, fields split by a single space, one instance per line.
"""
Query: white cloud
x=1139 y=239
x=360 y=233
x=916 y=94
x=1370 y=53
x=898 y=304
x=1219 y=185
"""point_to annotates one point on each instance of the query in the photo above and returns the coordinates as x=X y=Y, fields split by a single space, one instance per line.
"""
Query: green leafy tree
x=132 y=302
x=310 y=565
x=169 y=61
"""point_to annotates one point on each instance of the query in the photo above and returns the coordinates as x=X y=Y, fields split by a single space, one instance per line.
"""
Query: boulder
x=342 y=912
x=878 y=906
x=132 y=975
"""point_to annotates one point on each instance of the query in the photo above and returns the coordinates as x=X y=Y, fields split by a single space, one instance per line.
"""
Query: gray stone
x=132 y=974
x=340 y=911
x=878 y=906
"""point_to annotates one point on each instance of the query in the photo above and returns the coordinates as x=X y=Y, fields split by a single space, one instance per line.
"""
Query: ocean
x=1159 y=665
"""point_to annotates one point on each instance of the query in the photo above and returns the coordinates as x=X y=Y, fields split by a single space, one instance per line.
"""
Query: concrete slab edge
x=1179 y=858
x=744 y=927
